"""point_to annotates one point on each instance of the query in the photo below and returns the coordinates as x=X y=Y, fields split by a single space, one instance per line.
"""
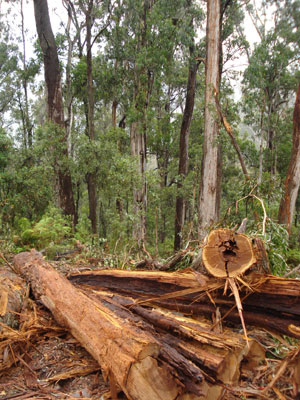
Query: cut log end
x=227 y=253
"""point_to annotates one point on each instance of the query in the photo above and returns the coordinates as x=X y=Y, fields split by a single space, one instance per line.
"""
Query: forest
x=149 y=205
x=136 y=127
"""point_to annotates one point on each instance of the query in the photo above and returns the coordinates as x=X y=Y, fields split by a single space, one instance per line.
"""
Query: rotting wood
x=140 y=357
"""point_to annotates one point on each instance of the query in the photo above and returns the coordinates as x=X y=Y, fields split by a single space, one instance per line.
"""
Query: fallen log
x=12 y=292
x=217 y=354
x=149 y=354
x=125 y=362
x=273 y=303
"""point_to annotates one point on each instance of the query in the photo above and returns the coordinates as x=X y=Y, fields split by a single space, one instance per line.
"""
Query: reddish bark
x=292 y=181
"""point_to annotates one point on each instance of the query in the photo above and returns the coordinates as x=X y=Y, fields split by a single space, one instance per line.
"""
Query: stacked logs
x=146 y=328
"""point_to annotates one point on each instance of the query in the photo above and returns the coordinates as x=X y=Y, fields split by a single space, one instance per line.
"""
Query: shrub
x=52 y=229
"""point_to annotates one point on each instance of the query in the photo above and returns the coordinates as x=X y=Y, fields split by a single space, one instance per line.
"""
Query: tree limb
x=229 y=130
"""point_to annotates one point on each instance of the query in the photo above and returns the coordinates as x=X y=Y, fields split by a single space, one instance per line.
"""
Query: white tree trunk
x=208 y=204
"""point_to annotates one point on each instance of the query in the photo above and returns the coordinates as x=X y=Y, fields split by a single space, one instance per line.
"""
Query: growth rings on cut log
x=227 y=253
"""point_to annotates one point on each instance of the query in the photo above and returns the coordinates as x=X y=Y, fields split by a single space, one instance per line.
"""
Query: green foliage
x=276 y=241
x=293 y=257
x=52 y=230
x=274 y=235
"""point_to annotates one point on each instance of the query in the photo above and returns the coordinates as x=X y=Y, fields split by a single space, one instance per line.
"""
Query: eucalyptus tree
x=194 y=61
x=292 y=181
x=225 y=43
x=27 y=74
x=143 y=44
x=8 y=67
x=288 y=30
x=209 y=188
x=90 y=19
x=55 y=108
x=267 y=85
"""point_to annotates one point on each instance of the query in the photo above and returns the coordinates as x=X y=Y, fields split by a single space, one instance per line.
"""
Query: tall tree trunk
x=271 y=138
x=138 y=130
x=114 y=113
x=68 y=84
x=208 y=199
x=91 y=177
x=27 y=125
x=261 y=147
x=292 y=181
x=137 y=141
x=162 y=159
x=54 y=101
x=183 y=147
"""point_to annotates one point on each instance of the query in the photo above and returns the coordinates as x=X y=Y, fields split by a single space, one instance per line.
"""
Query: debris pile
x=155 y=334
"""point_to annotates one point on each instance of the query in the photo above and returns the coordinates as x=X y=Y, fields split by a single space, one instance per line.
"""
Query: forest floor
x=48 y=363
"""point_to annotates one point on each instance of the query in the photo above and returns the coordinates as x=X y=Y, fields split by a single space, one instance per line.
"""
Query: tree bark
x=208 y=199
x=114 y=113
x=183 y=148
x=292 y=181
x=143 y=85
x=274 y=303
x=138 y=150
x=91 y=176
x=27 y=125
x=68 y=84
x=55 y=101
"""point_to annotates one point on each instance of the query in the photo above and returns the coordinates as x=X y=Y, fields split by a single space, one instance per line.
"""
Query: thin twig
x=296 y=269
x=280 y=371
x=262 y=205
x=8 y=263
x=265 y=213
